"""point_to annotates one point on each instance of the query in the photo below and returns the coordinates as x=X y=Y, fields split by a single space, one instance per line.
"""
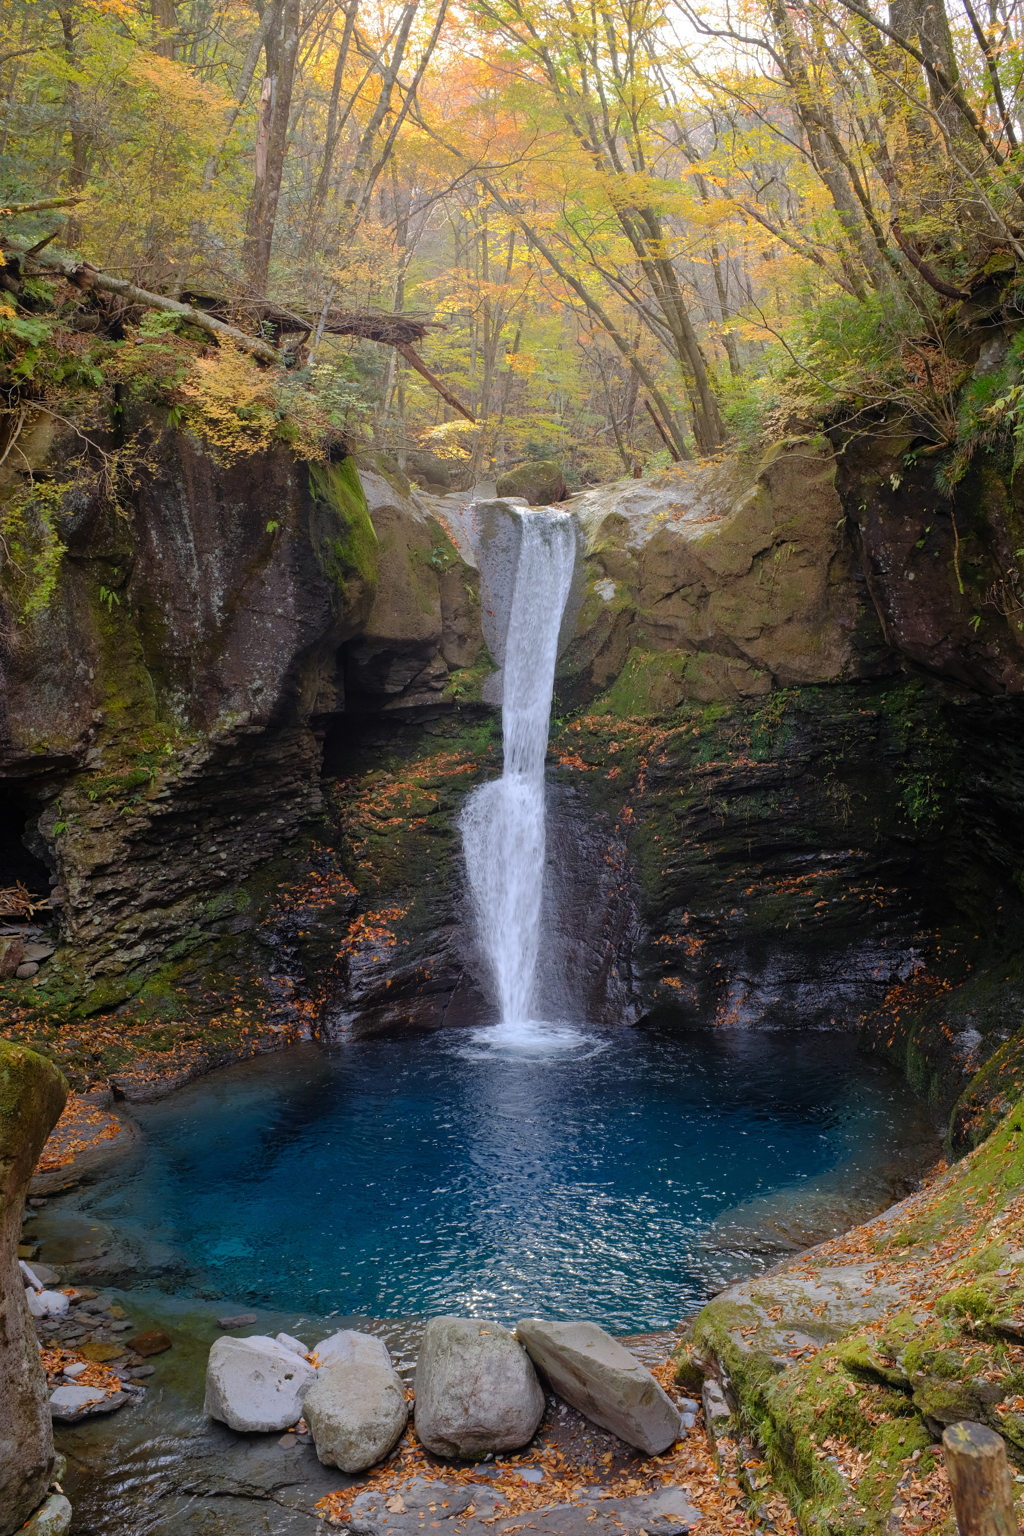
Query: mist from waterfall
x=502 y=823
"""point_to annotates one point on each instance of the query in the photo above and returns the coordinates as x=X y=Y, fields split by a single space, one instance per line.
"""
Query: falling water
x=503 y=822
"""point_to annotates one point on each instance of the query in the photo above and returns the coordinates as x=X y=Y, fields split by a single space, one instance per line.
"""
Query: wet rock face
x=769 y=867
x=942 y=572
x=424 y=623
x=32 y=1094
x=158 y=709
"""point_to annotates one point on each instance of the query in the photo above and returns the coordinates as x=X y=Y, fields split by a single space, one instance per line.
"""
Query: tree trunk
x=78 y=172
x=282 y=46
x=165 y=18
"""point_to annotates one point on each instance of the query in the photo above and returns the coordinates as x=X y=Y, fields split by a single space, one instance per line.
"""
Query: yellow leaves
x=121 y=10
x=229 y=404
x=443 y=440
x=523 y=363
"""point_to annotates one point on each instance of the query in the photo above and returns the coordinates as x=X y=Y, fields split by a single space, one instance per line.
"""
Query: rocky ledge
x=836 y=1373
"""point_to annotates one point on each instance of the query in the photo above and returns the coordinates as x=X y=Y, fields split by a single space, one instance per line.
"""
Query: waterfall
x=503 y=822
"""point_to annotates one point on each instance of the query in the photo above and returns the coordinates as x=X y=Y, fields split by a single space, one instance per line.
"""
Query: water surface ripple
x=624 y=1181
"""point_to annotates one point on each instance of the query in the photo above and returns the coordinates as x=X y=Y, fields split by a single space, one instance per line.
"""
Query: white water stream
x=503 y=822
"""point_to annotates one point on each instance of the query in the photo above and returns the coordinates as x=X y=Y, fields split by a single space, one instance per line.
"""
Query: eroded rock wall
x=162 y=717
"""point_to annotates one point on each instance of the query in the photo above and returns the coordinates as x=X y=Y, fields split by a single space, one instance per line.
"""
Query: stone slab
x=593 y=1372
x=422 y=1505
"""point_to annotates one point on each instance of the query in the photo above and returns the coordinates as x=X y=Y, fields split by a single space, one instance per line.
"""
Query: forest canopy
x=626 y=231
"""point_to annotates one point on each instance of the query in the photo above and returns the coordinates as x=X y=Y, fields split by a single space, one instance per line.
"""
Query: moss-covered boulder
x=32 y=1095
x=538 y=481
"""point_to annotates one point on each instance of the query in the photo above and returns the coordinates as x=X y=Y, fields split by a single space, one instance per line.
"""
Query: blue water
x=397 y=1178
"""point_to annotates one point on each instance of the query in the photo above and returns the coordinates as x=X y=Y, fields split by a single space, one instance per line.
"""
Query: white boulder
x=476 y=1390
x=356 y=1410
x=295 y=1345
x=593 y=1372
x=256 y=1383
x=46 y=1303
x=349 y=1346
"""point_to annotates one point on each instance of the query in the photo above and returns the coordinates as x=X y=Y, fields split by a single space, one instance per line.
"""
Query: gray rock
x=379 y=1513
x=350 y=1345
x=26 y=969
x=476 y=1390
x=666 y=1511
x=256 y=1384
x=70 y=1399
x=52 y=1518
x=716 y=1409
x=38 y=951
x=487 y=1502
x=595 y=1374
x=66 y=1412
x=356 y=1408
x=660 y=1514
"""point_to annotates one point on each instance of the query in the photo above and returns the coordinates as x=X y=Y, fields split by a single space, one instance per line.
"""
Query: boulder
x=476 y=1391
x=46 y=1303
x=538 y=481
x=590 y=1370
x=356 y=1409
x=12 y=952
x=295 y=1345
x=52 y=1518
x=349 y=1346
x=70 y=1399
x=256 y=1384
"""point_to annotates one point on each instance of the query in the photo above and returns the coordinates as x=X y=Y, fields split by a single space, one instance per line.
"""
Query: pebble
x=26 y=970
x=243 y=1320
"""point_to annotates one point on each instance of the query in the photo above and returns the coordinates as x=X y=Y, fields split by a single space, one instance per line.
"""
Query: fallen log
x=398 y=331
x=86 y=277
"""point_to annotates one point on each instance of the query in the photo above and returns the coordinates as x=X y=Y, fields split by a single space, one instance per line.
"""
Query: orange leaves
x=79 y=1129
x=370 y=930
x=574 y=1475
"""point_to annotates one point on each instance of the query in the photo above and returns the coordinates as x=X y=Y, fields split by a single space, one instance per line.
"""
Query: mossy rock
x=539 y=481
